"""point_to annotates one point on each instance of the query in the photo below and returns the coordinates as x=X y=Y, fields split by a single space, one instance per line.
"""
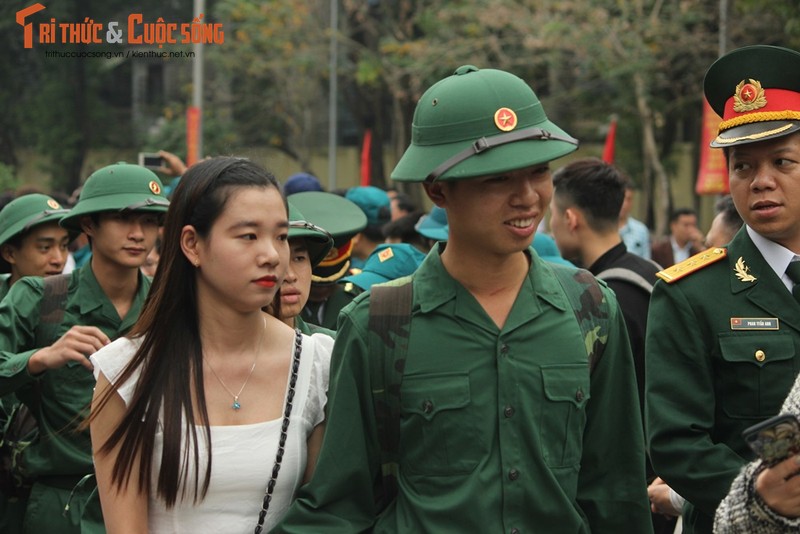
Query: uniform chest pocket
x=563 y=415
x=438 y=429
x=757 y=372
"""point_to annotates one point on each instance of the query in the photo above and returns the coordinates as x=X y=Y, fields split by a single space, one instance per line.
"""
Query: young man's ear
x=436 y=192
x=87 y=225
x=7 y=251
x=573 y=217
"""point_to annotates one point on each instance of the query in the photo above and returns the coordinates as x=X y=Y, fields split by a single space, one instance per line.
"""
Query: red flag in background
x=192 y=135
x=712 y=176
x=366 y=158
x=608 y=149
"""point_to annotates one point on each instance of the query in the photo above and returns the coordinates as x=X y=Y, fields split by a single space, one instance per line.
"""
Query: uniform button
x=504 y=348
x=513 y=474
x=579 y=395
x=760 y=355
x=509 y=411
x=427 y=406
x=514 y=531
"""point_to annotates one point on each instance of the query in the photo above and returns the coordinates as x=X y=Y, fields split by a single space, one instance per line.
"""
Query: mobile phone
x=775 y=439
x=151 y=160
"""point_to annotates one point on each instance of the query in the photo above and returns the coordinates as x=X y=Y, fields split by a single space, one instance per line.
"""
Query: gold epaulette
x=690 y=265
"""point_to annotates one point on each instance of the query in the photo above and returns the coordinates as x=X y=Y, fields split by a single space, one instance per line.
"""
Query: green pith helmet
x=318 y=241
x=341 y=218
x=477 y=123
x=387 y=262
x=756 y=91
x=26 y=212
x=118 y=187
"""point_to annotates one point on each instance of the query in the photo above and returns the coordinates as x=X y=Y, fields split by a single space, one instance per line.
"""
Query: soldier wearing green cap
x=32 y=244
x=308 y=246
x=31 y=240
x=723 y=339
x=343 y=219
x=46 y=362
x=513 y=407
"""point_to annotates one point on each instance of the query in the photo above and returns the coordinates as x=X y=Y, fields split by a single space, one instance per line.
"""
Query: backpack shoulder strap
x=390 y=324
x=626 y=275
x=590 y=306
x=51 y=310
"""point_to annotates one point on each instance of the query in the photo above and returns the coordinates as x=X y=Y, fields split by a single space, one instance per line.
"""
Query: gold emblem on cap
x=385 y=254
x=505 y=119
x=748 y=96
x=154 y=187
x=53 y=204
x=743 y=271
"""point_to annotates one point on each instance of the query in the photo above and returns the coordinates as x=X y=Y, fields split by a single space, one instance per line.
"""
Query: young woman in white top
x=190 y=424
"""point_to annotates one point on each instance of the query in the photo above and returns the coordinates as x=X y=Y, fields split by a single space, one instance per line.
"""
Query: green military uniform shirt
x=4 y=285
x=502 y=430
x=58 y=397
x=310 y=329
x=723 y=351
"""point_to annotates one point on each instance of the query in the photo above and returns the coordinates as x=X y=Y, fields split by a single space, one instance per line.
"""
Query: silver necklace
x=236 y=404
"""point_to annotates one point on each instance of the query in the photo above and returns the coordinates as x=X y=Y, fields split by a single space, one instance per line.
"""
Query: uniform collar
x=777 y=256
x=438 y=287
x=91 y=296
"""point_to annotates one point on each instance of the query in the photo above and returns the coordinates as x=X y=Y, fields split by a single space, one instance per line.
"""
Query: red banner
x=192 y=135
x=608 y=149
x=366 y=158
x=712 y=177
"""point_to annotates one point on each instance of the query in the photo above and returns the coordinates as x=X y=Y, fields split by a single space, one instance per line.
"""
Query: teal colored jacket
x=500 y=429
x=705 y=379
x=58 y=397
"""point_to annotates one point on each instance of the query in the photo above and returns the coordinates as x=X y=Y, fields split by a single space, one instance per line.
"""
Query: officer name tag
x=754 y=323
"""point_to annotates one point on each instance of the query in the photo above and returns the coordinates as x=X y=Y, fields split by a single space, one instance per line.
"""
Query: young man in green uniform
x=31 y=240
x=723 y=340
x=119 y=209
x=32 y=243
x=517 y=408
x=308 y=245
x=343 y=219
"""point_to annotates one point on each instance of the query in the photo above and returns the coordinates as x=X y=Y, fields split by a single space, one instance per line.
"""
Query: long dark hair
x=170 y=356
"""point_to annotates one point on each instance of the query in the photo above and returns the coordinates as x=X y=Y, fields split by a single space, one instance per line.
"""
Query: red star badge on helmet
x=154 y=187
x=505 y=119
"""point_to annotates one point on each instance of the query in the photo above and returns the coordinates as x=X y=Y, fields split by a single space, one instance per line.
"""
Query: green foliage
x=8 y=181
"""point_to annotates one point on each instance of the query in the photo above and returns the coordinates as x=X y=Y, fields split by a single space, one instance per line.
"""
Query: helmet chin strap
x=485 y=143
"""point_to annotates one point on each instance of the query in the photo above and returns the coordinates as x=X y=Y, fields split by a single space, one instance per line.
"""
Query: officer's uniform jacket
x=723 y=349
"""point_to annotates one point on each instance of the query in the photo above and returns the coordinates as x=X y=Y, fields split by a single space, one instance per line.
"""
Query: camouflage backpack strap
x=590 y=307
x=389 y=332
x=51 y=309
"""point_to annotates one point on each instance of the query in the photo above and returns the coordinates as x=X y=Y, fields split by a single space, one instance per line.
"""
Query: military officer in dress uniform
x=343 y=219
x=723 y=340
x=47 y=365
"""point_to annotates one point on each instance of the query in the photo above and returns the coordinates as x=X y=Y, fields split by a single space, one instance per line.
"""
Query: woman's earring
x=197 y=263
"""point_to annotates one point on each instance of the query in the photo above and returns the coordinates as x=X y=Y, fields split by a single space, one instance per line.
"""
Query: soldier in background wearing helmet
x=308 y=246
x=723 y=331
x=31 y=240
x=31 y=244
x=119 y=209
x=513 y=415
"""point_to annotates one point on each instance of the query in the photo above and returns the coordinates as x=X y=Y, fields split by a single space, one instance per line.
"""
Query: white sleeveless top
x=243 y=454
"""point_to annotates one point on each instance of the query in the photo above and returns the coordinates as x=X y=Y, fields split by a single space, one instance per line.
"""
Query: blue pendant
x=236 y=404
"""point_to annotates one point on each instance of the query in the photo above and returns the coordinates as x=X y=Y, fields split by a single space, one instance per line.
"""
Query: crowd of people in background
x=225 y=351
